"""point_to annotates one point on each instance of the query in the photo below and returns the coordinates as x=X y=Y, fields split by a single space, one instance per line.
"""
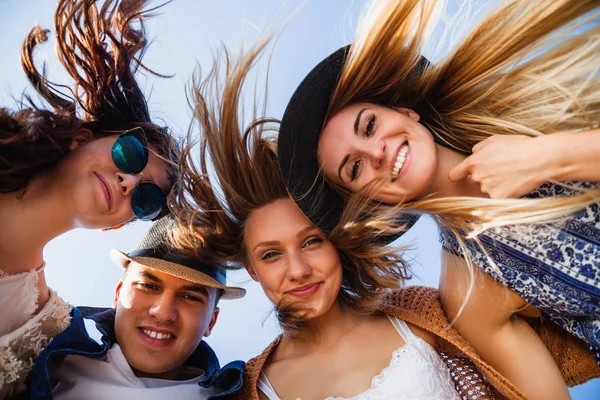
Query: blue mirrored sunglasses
x=130 y=155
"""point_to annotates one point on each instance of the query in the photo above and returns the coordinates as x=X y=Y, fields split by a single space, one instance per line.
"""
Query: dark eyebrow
x=197 y=289
x=345 y=160
x=150 y=276
x=357 y=121
x=192 y=288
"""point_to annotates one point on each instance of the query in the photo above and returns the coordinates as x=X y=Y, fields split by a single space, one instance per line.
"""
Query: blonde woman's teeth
x=399 y=161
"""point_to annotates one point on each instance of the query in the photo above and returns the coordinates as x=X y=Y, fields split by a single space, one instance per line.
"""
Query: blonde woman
x=349 y=330
x=513 y=109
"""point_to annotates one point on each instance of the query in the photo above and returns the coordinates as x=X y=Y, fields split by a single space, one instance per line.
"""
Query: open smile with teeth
x=157 y=335
x=399 y=161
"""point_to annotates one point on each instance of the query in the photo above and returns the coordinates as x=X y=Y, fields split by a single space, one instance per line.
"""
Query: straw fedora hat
x=153 y=252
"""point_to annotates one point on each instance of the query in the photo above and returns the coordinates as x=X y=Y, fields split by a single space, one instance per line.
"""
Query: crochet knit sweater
x=420 y=306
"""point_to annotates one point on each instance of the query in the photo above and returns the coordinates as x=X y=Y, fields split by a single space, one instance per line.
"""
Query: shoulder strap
x=402 y=328
x=265 y=386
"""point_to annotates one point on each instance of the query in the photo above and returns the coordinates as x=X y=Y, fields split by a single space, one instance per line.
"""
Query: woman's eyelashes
x=354 y=168
x=271 y=255
x=313 y=241
x=369 y=127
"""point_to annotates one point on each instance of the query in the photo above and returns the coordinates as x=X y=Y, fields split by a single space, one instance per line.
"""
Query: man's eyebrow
x=148 y=275
x=197 y=289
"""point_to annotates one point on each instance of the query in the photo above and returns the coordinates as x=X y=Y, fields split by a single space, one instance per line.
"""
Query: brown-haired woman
x=516 y=106
x=90 y=158
x=344 y=316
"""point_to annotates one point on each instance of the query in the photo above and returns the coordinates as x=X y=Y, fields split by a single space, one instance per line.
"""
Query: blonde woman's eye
x=354 y=170
x=370 y=125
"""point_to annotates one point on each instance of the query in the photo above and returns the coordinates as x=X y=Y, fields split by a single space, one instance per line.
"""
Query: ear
x=408 y=112
x=117 y=294
x=81 y=137
x=213 y=321
x=251 y=272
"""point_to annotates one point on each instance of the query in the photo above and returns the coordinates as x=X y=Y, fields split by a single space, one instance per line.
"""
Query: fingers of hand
x=461 y=171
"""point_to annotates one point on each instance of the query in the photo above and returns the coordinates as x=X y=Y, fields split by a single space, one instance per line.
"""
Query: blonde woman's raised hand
x=512 y=166
x=506 y=166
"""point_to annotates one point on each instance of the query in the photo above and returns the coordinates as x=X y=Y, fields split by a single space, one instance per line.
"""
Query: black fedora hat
x=154 y=252
x=297 y=142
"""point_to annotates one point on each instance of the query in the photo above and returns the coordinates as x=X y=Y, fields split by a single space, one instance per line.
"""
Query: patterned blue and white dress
x=555 y=267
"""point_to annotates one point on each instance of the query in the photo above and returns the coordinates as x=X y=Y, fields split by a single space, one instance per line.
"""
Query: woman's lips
x=106 y=191
x=305 y=290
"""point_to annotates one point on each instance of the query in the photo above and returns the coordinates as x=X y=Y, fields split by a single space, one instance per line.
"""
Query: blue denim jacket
x=91 y=334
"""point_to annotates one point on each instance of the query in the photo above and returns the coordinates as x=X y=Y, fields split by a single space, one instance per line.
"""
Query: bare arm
x=501 y=338
x=577 y=155
x=513 y=165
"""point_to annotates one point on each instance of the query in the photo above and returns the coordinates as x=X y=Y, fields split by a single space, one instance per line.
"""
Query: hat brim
x=297 y=143
x=179 y=271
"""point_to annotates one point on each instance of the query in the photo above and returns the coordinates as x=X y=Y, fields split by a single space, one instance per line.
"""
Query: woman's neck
x=325 y=331
x=30 y=220
x=442 y=186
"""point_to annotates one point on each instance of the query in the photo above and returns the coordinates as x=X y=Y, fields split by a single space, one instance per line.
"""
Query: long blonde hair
x=523 y=70
x=528 y=68
x=213 y=206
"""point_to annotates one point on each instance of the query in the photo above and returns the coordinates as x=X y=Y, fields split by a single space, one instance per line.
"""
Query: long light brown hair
x=101 y=48
x=213 y=205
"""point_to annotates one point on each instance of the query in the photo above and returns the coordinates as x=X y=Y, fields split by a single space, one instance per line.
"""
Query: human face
x=365 y=141
x=293 y=260
x=94 y=190
x=148 y=301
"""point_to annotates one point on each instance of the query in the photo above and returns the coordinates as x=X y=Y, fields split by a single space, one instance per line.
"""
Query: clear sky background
x=185 y=35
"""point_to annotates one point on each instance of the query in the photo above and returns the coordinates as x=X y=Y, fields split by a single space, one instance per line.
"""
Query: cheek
x=270 y=280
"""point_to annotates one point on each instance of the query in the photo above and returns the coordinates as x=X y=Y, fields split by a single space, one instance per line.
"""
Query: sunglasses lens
x=129 y=155
x=147 y=201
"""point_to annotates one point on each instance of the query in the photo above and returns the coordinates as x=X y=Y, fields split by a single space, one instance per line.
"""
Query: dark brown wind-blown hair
x=101 y=47
x=213 y=205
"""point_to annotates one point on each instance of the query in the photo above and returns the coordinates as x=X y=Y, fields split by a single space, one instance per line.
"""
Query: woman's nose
x=376 y=153
x=298 y=268
x=128 y=182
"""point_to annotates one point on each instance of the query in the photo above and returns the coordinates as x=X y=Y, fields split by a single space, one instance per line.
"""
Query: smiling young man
x=149 y=345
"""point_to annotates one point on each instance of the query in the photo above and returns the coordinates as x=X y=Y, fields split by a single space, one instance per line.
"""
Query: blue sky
x=184 y=37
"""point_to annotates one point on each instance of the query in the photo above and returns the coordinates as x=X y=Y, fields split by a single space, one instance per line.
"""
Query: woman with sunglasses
x=378 y=132
x=93 y=159
x=349 y=330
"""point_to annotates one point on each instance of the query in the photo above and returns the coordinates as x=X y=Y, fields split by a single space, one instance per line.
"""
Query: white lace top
x=23 y=334
x=416 y=371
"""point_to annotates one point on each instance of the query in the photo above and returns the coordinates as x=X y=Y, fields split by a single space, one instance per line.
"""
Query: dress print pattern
x=554 y=266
